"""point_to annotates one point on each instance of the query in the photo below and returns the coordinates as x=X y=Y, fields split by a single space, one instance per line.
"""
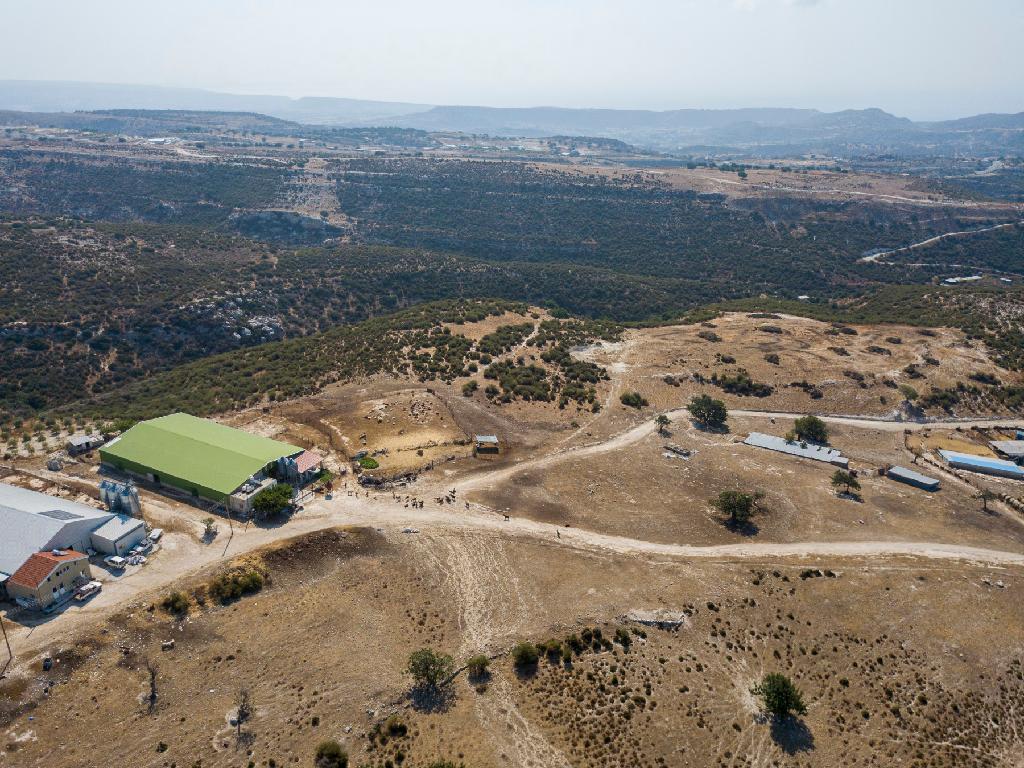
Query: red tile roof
x=34 y=571
x=307 y=460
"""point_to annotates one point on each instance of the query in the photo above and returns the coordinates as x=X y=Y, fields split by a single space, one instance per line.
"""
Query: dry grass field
x=896 y=613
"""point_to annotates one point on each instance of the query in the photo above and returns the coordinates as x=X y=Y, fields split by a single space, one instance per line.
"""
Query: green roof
x=198 y=451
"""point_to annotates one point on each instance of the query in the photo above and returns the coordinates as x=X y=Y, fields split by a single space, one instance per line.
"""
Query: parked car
x=86 y=591
x=115 y=561
x=155 y=534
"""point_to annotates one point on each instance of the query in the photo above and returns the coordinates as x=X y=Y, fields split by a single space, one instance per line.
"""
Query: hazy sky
x=918 y=58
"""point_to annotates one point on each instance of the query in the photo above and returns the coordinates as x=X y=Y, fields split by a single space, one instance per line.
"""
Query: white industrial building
x=32 y=522
x=802 y=449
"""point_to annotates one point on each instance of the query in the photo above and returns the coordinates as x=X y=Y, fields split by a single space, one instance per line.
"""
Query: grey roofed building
x=1011 y=449
x=118 y=535
x=797 y=448
x=910 y=477
x=32 y=522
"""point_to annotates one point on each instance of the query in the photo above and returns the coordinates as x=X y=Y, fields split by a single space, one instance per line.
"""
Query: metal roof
x=802 y=449
x=31 y=521
x=983 y=463
x=903 y=473
x=1009 y=447
x=199 y=451
x=118 y=527
x=486 y=439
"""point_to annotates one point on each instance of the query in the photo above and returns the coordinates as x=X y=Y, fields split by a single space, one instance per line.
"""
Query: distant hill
x=764 y=131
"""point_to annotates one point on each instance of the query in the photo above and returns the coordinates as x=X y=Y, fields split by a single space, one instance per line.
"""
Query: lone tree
x=662 y=421
x=707 y=411
x=737 y=505
x=843 y=479
x=986 y=496
x=244 y=709
x=271 y=502
x=811 y=428
x=780 y=696
x=428 y=667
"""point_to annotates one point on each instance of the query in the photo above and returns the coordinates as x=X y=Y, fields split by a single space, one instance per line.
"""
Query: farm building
x=910 y=477
x=983 y=464
x=83 y=443
x=118 y=535
x=1011 y=449
x=46 y=578
x=803 y=450
x=207 y=460
x=485 y=444
x=31 y=522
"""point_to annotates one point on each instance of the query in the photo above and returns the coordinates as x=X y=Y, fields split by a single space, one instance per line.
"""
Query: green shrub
x=368 y=462
x=780 y=695
x=330 y=754
x=477 y=665
x=633 y=400
x=428 y=667
x=525 y=656
x=271 y=502
x=176 y=603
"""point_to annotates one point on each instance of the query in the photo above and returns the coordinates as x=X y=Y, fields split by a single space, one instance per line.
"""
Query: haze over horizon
x=923 y=59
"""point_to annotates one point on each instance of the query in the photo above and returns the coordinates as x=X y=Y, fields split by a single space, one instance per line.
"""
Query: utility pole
x=10 y=654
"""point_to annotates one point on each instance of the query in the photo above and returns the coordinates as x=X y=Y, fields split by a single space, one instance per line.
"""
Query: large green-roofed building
x=197 y=456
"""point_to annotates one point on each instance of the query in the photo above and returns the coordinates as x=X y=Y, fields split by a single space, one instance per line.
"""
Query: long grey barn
x=796 y=448
x=910 y=477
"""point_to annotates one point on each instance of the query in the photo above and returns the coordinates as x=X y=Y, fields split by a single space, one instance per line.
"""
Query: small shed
x=83 y=443
x=910 y=477
x=486 y=444
x=118 y=535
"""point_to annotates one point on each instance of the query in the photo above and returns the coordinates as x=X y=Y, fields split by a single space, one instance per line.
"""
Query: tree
x=244 y=708
x=633 y=400
x=209 y=528
x=737 y=505
x=707 y=411
x=428 y=667
x=846 y=480
x=811 y=428
x=270 y=502
x=986 y=496
x=662 y=421
x=780 y=695
x=330 y=754
x=908 y=392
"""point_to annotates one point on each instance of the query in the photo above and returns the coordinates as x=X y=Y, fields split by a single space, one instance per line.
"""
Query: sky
x=923 y=59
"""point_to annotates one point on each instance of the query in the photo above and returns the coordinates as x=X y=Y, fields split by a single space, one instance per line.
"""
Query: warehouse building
x=33 y=522
x=803 y=450
x=910 y=477
x=207 y=460
x=983 y=464
x=1011 y=449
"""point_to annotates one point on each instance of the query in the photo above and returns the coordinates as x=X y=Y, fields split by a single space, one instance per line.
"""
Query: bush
x=176 y=603
x=811 y=428
x=738 y=506
x=525 y=656
x=633 y=400
x=477 y=665
x=236 y=582
x=780 y=695
x=707 y=411
x=330 y=754
x=368 y=462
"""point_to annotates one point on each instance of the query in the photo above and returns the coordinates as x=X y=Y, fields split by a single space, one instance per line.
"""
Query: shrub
x=477 y=665
x=368 y=462
x=176 y=603
x=239 y=580
x=738 y=506
x=330 y=754
x=525 y=656
x=470 y=387
x=633 y=400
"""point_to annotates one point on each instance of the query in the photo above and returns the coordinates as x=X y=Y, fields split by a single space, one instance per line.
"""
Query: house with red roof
x=48 y=578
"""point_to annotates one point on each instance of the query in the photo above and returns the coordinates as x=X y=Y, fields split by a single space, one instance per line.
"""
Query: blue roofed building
x=983 y=464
